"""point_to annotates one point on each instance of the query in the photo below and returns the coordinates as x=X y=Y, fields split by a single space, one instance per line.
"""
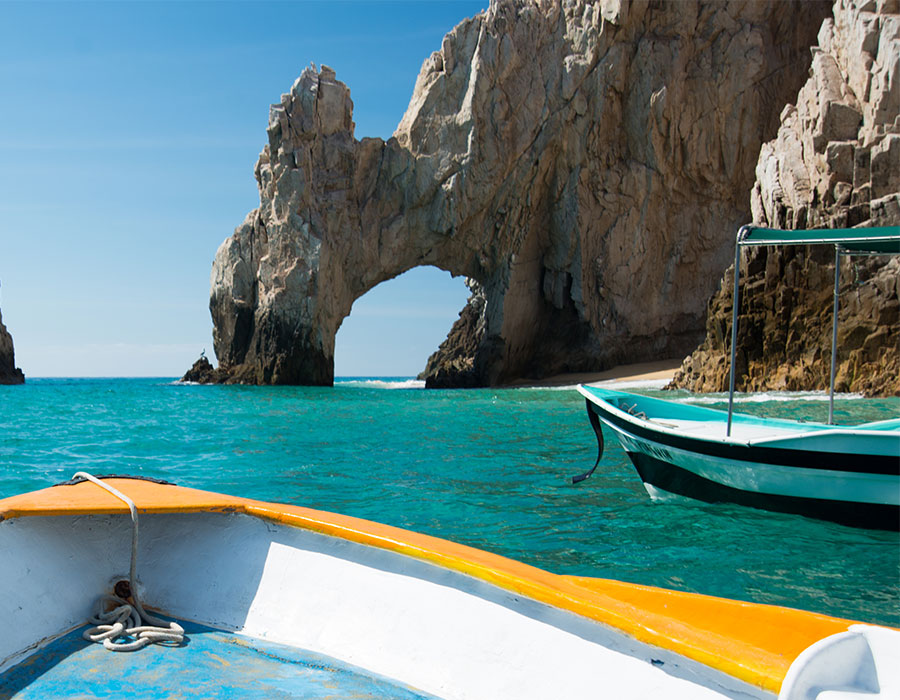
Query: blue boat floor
x=210 y=664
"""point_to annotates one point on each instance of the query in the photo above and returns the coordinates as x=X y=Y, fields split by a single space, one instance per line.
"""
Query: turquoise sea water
x=488 y=468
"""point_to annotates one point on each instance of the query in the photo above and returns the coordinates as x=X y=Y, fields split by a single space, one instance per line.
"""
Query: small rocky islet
x=9 y=373
x=586 y=167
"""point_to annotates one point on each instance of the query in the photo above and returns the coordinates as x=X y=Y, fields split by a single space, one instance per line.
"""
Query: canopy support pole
x=834 y=329
x=735 y=299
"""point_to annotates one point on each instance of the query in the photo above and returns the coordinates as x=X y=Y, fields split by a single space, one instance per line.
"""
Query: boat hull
x=440 y=618
x=781 y=474
x=663 y=478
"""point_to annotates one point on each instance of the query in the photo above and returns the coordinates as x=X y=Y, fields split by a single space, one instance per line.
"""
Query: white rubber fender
x=862 y=663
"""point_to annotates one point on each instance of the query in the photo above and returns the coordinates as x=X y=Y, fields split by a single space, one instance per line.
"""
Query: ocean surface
x=489 y=468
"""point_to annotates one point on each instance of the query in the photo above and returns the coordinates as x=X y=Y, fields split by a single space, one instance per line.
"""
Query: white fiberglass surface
x=716 y=430
x=437 y=630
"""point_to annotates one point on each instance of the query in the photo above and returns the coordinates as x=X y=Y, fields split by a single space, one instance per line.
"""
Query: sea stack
x=584 y=165
x=9 y=373
x=835 y=163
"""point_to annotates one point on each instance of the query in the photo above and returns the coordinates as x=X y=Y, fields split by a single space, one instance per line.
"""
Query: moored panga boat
x=284 y=601
x=847 y=474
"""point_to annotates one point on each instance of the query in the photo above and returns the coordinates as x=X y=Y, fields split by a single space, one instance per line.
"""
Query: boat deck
x=210 y=664
x=715 y=430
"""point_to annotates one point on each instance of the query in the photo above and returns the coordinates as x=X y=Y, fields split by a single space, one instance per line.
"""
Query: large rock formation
x=9 y=373
x=585 y=165
x=835 y=163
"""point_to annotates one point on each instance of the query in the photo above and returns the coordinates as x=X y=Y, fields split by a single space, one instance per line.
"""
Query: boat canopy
x=880 y=240
x=884 y=240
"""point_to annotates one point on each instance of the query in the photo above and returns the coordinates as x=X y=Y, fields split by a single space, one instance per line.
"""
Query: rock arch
x=586 y=166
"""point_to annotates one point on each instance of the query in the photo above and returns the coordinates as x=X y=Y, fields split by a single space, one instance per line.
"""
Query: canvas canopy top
x=883 y=240
x=862 y=241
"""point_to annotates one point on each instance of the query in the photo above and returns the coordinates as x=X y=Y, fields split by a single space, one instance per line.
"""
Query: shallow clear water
x=488 y=468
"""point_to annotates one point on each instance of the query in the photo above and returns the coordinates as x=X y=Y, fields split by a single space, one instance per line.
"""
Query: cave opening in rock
x=393 y=329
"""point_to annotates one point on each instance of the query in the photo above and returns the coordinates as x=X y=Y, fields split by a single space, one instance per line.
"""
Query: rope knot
x=123 y=622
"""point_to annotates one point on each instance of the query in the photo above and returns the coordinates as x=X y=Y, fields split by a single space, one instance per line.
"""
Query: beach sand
x=662 y=369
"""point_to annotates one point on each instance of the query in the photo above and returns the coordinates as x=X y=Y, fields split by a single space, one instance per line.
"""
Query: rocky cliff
x=9 y=373
x=835 y=163
x=583 y=164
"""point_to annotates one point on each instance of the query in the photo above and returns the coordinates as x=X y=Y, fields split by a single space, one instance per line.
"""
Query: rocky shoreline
x=9 y=373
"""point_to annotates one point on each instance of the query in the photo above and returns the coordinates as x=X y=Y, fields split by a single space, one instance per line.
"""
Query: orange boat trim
x=753 y=642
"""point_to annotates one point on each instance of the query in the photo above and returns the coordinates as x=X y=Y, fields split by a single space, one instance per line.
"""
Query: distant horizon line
x=164 y=376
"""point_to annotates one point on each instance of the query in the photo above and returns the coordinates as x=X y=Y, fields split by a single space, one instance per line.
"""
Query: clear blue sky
x=128 y=136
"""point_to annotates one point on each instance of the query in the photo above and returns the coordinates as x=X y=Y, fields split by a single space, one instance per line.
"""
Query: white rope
x=124 y=620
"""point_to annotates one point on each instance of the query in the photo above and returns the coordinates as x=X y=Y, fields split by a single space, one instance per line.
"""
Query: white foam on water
x=632 y=383
x=382 y=383
x=766 y=397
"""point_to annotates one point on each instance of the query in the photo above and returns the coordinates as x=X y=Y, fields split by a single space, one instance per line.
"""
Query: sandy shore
x=663 y=369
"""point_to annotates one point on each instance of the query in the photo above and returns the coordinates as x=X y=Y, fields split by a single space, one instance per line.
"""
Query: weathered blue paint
x=210 y=664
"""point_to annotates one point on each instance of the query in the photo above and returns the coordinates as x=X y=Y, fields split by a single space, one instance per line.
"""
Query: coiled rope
x=128 y=622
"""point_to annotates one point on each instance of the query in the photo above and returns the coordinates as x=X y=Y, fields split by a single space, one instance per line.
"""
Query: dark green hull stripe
x=682 y=482
x=806 y=459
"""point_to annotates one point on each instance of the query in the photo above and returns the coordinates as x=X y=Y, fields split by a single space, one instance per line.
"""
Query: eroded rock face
x=585 y=165
x=9 y=373
x=835 y=163
x=454 y=363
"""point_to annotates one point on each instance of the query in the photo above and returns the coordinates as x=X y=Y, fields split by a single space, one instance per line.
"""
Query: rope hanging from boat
x=598 y=431
x=127 y=621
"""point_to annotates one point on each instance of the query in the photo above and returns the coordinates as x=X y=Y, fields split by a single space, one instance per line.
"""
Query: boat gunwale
x=658 y=423
x=761 y=655
x=803 y=428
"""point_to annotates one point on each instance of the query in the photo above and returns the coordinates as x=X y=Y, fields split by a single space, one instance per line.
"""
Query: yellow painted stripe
x=752 y=642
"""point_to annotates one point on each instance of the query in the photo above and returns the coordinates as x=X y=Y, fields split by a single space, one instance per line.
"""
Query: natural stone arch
x=587 y=165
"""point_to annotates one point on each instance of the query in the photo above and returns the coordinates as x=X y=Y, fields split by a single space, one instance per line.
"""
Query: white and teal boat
x=847 y=474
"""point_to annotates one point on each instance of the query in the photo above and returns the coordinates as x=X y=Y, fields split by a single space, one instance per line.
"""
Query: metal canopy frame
x=883 y=240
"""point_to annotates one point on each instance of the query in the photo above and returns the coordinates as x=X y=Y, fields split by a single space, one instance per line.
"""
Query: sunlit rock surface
x=9 y=373
x=835 y=163
x=585 y=165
